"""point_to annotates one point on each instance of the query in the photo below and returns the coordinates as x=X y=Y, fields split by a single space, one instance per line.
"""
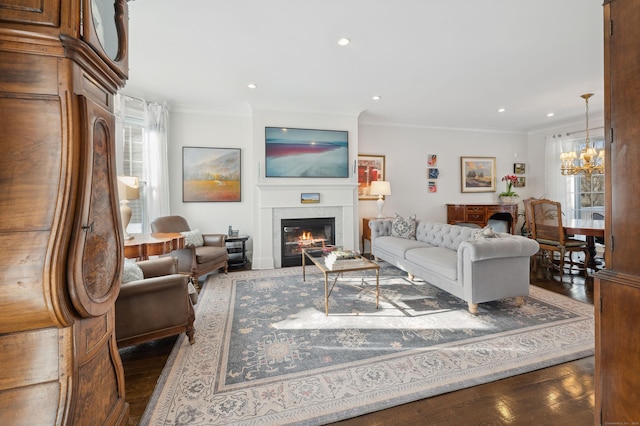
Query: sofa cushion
x=193 y=237
x=440 y=260
x=397 y=246
x=131 y=271
x=404 y=227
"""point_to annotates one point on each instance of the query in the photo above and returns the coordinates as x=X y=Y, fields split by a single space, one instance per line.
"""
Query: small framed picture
x=478 y=174
x=433 y=186
x=433 y=173
x=310 y=197
x=519 y=168
x=432 y=160
x=521 y=182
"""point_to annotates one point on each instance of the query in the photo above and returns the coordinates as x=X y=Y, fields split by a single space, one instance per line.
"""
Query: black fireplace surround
x=297 y=234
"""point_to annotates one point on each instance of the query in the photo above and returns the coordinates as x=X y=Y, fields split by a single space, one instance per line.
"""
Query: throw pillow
x=193 y=237
x=404 y=227
x=486 y=232
x=131 y=271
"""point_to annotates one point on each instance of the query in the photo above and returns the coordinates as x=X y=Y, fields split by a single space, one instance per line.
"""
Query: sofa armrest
x=158 y=267
x=380 y=228
x=493 y=248
x=176 y=284
x=217 y=240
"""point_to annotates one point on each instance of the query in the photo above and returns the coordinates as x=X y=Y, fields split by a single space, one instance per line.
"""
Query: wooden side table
x=141 y=246
x=366 y=231
x=237 y=250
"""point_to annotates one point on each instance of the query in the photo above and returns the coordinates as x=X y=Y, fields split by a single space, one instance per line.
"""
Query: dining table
x=591 y=229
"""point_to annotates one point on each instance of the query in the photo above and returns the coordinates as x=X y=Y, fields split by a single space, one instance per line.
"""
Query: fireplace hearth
x=305 y=233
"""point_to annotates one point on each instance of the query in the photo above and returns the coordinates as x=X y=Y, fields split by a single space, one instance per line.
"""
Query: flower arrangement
x=510 y=180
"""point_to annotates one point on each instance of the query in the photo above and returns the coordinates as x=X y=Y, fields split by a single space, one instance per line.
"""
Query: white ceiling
x=449 y=63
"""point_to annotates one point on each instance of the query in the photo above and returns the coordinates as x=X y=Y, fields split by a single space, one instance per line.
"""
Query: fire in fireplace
x=305 y=233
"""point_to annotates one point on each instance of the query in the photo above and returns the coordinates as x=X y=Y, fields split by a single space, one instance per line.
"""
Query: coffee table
x=358 y=264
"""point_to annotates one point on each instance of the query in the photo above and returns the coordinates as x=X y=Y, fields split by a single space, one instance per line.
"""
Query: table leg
x=304 y=277
x=377 y=287
x=326 y=294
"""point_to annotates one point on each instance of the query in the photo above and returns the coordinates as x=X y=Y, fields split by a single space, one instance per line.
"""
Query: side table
x=237 y=249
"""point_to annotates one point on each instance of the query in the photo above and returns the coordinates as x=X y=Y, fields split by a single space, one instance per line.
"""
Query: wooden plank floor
x=558 y=395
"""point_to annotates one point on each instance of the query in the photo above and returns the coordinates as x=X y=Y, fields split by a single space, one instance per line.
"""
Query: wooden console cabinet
x=480 y=213
x=61 y=239
x=617 y=288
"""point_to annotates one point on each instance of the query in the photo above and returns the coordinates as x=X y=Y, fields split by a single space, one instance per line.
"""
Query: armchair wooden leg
x=473 y=308
x=519 y=301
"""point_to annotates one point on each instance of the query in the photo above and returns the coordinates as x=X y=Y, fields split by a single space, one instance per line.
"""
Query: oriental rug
x=265 y=352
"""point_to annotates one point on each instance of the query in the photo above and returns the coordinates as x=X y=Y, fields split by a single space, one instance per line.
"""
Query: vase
x=508 y=199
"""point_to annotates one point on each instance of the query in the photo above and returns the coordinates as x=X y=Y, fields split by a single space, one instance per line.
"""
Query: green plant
x=510 y=181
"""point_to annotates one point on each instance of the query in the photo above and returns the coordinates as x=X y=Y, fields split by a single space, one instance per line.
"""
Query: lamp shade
x=380 y=187
x=128 y=188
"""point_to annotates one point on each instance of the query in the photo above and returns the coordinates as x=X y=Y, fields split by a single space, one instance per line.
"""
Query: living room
x=235 y=117
x=509 y=99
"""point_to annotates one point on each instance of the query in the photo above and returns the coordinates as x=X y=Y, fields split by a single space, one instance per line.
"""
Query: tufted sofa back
x=443 y=235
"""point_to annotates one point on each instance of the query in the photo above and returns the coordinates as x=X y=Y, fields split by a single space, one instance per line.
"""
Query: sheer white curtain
x=119 y=108
x=558 y=187
x=155 y=162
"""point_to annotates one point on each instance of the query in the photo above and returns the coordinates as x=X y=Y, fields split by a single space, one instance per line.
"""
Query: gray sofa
x=454 y=259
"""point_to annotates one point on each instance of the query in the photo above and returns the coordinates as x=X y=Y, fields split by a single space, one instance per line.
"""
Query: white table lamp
x=128 y=189
x=380 y=188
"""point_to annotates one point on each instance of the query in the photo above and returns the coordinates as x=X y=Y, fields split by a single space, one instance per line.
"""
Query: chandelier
x=589 y=161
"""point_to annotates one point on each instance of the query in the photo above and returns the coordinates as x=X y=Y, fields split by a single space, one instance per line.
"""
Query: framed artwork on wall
x=210 y=174
x=478 y=174
x=306 y=153
x=519 y=168
x=370 y=168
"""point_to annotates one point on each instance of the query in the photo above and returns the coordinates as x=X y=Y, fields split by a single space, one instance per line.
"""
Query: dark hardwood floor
x=558 y=395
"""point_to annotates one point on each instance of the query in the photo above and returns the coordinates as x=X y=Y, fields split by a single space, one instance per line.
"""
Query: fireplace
x=296 y=234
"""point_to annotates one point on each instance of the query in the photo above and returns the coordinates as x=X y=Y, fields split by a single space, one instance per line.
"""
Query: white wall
x=201 y=129
x=406 y=150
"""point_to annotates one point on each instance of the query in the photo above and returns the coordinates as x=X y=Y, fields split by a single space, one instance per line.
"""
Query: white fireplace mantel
x=280 y=200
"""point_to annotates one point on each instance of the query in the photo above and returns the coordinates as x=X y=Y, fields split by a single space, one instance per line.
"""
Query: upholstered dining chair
x=202 y=254
x=548 y=231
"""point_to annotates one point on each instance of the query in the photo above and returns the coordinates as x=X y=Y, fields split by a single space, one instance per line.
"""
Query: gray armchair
x=195 y=260
x=157 y=306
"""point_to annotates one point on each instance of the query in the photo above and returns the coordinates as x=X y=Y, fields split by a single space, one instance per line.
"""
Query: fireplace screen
x=305 y=233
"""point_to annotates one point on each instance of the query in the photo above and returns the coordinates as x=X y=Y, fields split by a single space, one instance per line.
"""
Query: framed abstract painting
x=210 y=174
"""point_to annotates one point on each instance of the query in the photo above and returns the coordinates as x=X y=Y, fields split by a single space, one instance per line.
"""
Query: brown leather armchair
x=192 y=260
x=154 y=307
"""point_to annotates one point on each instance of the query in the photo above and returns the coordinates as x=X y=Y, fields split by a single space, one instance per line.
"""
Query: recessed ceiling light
x=501 y=109
x=550 y=114
x=252 y=86
x=376 y=97
x=343 y=41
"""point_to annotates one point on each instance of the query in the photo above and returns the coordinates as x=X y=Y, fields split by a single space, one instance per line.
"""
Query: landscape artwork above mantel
x=478 y=174
x=306 y=153
x=210 y=174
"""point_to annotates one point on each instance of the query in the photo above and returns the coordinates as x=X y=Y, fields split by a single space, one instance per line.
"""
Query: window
x=588 y=190
x=132 y=158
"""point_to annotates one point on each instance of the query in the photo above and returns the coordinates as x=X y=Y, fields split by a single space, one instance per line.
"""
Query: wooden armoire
x=61 y=250
x=617 y=288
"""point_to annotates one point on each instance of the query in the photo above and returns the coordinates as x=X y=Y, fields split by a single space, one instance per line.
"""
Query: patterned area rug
x=265 y=352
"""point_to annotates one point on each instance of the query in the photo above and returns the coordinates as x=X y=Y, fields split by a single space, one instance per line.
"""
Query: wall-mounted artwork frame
x=211 y=174
x=306 y=153
x=478 y=174
x=519 y=168
x=310 y=197
x=521 y=183
x=370 y=168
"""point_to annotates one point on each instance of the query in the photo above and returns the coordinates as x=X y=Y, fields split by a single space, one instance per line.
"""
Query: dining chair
x=548 y=231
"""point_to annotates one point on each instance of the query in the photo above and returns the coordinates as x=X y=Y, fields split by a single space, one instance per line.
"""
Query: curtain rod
x=131 y=98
